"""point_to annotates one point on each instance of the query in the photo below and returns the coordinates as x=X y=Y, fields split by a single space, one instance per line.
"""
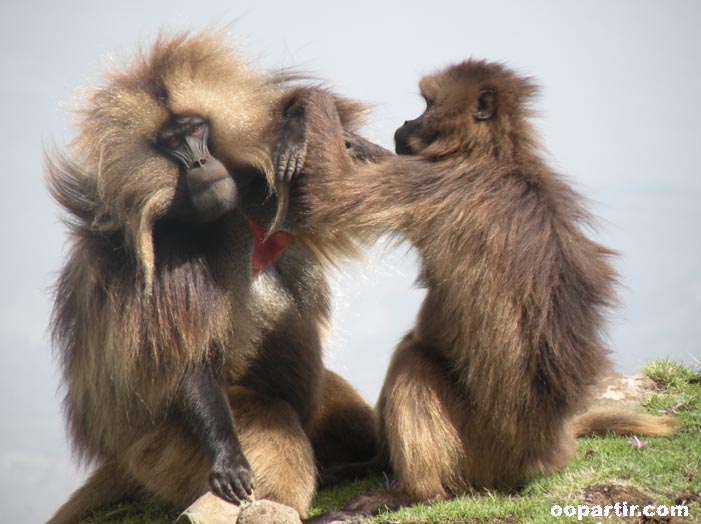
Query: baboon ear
x=486 y=105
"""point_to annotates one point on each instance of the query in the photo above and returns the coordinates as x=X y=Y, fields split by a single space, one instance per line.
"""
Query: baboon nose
x=199 y=163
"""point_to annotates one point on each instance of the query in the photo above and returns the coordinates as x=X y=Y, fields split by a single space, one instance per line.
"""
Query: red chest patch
x=266 y=250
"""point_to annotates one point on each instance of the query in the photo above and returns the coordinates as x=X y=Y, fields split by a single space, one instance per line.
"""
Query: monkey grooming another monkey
x=484 y=391
x=189 y=335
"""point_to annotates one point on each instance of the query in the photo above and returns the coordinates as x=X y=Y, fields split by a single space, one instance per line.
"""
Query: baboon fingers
x=280 y=161
x=290 y=168
x=239 y=488
x=231 y=489
x=250 y=485
x=219 y=490
x=299 y=165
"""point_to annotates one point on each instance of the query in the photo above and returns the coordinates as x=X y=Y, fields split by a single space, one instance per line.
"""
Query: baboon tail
x=601 y=421
x=106 y=485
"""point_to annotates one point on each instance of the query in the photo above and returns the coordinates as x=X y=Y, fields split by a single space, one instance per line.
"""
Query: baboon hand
x=231 y=478
x=361 y=149
x=288 y=155
x=290 y=147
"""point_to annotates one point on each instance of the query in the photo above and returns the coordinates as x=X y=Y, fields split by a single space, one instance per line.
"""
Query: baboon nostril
x=199 y=163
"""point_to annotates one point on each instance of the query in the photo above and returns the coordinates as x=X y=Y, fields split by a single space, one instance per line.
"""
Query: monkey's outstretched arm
x=354 y=186
x=207 y=413
x=291 y=145
x=290 y=148
x=363 y=150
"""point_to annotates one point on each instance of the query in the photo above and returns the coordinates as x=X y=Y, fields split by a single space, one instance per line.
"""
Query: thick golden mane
x=112 y=165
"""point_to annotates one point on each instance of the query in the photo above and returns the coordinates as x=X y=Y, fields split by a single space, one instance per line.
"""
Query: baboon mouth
x=205 y=184
x=402 y=148
x=214 y=198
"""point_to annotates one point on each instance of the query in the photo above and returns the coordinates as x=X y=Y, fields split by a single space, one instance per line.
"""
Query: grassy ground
x=606 y=470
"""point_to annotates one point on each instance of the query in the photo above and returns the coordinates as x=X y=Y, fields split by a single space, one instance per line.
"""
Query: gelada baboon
x=176 y=308
x=483 y=392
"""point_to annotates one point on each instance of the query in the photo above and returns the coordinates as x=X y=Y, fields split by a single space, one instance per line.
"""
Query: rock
x=268 y=512
x=623 y=391
x=210 y=509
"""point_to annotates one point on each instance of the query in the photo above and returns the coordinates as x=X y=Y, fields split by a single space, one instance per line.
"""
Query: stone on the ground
x=623 y=391
x=209 y=509
x=268 y=512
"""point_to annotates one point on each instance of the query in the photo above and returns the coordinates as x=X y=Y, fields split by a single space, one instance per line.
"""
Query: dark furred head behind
x=472 y=108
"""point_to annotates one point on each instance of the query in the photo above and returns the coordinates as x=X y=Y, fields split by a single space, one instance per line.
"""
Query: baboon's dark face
x=454 y=111
x=415 y=135
x=210 y=189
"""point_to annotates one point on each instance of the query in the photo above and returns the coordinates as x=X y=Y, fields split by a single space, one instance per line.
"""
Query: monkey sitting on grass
x=189 y=336
x=484 y=391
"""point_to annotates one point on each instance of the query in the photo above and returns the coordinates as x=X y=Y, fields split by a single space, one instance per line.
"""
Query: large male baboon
x=484 y=390
x=176 y=309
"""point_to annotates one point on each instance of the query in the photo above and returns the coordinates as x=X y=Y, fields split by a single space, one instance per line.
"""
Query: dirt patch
x=688 y=497
x=609 y=494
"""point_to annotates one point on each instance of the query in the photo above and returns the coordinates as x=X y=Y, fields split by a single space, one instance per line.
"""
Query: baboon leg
x=419 y=415
x=419 y=411
x=106 y=485
x=277 y=448
x=169 y=463
x=343 y=431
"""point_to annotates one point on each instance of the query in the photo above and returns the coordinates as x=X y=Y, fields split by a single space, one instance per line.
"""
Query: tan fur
x=141 y=302
x=602 y=421
x=343 y=430
x=510 y=337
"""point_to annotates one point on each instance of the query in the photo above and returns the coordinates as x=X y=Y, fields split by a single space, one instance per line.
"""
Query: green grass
x=605 y=470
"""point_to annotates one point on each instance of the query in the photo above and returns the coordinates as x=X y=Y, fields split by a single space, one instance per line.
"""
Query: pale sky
x=620 y=117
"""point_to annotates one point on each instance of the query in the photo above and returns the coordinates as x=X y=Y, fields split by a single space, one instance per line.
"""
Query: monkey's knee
x=107 y=484
x=277 y=448
x=169 y=464
x=419 y=417
x=344 y=429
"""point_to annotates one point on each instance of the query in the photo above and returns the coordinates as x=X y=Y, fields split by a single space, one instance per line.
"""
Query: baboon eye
x=196 y=130
x=429 y=102
x=172 y=142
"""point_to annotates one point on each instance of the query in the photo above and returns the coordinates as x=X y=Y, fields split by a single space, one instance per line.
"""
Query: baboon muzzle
x=402 y=136
x=212 y=190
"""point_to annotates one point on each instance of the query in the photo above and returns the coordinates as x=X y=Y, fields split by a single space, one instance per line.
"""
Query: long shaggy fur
x=510 y=336
x=143 y=300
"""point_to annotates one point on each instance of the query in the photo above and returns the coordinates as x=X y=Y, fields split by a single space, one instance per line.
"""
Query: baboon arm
x=353 y=186
x=288 y=155
x=206 y=411
x=361 y=149
x=289 y=150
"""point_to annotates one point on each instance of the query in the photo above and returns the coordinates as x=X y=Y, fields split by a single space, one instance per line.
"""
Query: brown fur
x=141 y=302
x=510 y=337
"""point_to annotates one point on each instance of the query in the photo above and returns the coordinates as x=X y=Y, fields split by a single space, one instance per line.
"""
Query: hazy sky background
x=621 y=117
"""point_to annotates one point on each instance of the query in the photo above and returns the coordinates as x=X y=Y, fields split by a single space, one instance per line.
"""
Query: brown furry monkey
x=484 y=391
x=189 y=336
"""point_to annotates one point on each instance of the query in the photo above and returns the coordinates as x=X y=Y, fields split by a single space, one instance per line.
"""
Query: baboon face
x=143 y=136
x=458 y=103
x=210 y=189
